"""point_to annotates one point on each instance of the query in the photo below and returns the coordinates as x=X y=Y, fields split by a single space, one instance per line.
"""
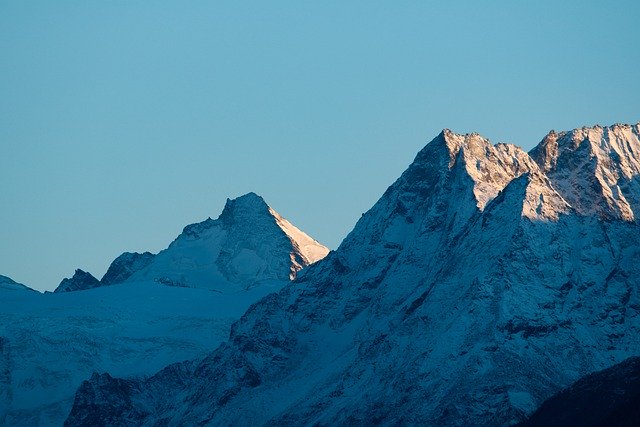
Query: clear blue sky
x=123 y=121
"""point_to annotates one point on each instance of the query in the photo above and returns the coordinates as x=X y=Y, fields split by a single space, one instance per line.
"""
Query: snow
x=130 y=323
x=310 y=249
x=54 y=341
x=249 y=242
x=484 y=280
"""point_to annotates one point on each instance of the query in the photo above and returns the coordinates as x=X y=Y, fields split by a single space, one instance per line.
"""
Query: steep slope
x=80 y=281
x=478 y=285
x=50 y=343
x=610 y=397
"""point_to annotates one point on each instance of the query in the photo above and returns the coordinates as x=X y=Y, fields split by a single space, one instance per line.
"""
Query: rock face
x=606 y=398
x=80 y=281
x=124 y=266
x=482 y=282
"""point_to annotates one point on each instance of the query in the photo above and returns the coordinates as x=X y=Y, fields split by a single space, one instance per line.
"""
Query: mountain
x=7 y=284
x=610 y=397
x=124 y=266
x=248 y=243
x=50 y=343
x=80 y=281
x=483 y=281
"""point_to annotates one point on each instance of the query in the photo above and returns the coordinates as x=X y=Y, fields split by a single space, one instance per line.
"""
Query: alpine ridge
x=483 y=281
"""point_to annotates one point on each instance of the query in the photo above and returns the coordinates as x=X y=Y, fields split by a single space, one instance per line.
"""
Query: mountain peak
x=249 y=204
x=248 y=243
x=595 y=169
x=490 y=167
x=81 y=280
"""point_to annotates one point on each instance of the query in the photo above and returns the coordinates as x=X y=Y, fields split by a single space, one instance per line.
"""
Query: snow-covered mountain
x=484 y=280
x=249 y=242
x=50 y=343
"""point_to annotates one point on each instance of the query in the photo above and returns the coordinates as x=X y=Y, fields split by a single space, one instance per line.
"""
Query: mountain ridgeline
x=483 y=281
x=249 y=242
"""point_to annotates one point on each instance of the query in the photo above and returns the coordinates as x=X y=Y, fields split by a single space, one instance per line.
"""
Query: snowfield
x=52 y=342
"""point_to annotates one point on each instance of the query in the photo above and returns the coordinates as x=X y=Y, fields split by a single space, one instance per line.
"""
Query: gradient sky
x=123 y=121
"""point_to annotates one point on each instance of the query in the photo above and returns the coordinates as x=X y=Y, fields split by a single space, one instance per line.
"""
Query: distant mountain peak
x=249 y=242
x=81 y=280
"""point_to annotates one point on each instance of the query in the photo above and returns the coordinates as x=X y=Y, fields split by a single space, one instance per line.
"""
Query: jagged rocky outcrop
x=119 y=271
x=80 y=281
x=610 y=397
x=124 y=266
x=482 y=282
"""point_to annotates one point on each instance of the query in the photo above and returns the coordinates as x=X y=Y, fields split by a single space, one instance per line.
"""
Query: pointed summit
x=80 y=281
x=248 y=243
